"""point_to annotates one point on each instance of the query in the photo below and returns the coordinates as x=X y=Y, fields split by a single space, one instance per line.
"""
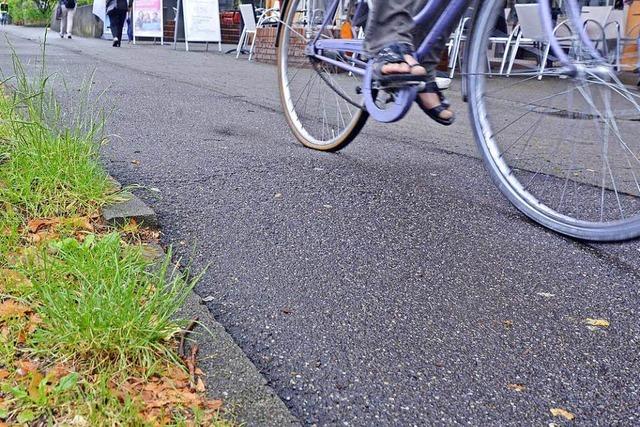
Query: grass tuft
x=101 y=304
x=87 y=323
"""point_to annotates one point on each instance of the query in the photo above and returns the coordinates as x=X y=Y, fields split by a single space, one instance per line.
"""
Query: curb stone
x=230 y=374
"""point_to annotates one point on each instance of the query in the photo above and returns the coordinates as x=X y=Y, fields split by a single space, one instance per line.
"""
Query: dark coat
x=117 y=5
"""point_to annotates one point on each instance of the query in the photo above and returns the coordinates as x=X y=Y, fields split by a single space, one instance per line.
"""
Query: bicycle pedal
x=396 y=85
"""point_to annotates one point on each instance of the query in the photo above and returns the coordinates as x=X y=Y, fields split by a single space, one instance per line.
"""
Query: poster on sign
x=201 y=21
x=147 y=18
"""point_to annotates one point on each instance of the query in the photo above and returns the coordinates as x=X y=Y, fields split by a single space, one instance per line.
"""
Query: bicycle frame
x=443 y=22
x=429 y=13
x=441 y=16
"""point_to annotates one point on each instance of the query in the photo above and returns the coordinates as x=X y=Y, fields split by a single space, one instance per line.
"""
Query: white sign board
x=147 y=18
x=201 y=20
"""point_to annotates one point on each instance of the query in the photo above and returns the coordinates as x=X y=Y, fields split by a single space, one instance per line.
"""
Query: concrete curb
x=230 y=375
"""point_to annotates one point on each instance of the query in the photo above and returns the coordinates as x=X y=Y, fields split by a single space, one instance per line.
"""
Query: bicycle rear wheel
x=564 y=150
x=322 y=103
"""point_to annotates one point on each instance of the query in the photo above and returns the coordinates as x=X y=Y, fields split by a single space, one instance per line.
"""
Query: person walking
x=4 y=12
x=117 y=11
x=68 y=9
x=130 y=22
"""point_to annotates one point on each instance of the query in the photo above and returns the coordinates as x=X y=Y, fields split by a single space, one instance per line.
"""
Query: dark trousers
x=117 y=17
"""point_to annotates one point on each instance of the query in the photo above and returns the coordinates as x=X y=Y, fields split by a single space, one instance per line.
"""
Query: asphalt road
x=389 y=284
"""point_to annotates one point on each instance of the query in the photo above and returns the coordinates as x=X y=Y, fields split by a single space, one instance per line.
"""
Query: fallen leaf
x=25 y=367
x=597 y=322
x=559 y=412
x=34 y=385
x=214 y=404
x=135 y=162
x=36 y=225
x=200 y=388
x=11 y=308
x=80 y=222
x=42 y=236
x=508 y=323
x=516 y=387
x=57 y=372
x=3 y=374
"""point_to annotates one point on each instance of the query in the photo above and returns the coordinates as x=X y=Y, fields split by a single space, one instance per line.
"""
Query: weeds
x=87 y=329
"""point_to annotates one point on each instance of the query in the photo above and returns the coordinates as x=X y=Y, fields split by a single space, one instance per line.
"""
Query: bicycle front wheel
x=322 y=103
x=564 y=150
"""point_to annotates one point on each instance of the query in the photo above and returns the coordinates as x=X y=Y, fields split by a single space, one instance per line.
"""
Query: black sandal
x=435 y=112
x=394 y=54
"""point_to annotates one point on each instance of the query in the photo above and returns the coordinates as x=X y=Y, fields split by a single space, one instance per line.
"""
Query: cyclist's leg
x=431 y=100
x=389 y=23
x=391 y=26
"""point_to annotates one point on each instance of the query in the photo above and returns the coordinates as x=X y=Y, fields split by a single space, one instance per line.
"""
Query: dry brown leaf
x=80 y=222
x=597 y=322
x=38 y=224
x=58 y=371
x=214 y=404
x=11 y=308
x=560 y=412
x=517 y=387
x=25 y=367
x=34 y=385
x=4 y=374
x=200 y=388
x=176 y=373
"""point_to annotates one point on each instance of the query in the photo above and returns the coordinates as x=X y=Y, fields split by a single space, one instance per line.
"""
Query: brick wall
x=265 y=50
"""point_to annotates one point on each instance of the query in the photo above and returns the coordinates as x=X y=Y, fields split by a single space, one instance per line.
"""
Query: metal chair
x=249 y=27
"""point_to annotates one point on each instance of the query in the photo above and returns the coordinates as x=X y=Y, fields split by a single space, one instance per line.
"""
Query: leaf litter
x=561 y=412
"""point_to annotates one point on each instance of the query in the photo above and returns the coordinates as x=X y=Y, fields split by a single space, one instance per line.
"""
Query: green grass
x=101 y=304
x=89 y=303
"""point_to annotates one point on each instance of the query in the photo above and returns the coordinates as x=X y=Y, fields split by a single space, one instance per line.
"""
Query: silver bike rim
x=509 y=180
x=290 y=101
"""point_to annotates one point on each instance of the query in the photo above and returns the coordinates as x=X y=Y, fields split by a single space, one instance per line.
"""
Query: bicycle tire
x=304 y=132
x=509 y=179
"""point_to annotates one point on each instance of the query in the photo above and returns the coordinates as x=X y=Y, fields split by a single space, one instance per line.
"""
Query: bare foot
x=430 y=100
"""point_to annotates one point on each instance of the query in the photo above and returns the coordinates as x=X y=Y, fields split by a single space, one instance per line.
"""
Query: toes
x=395 y=69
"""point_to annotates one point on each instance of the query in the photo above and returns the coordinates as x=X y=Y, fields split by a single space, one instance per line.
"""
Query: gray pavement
x=389 y=284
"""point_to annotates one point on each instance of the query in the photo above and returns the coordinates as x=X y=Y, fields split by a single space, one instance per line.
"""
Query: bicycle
x=569 y=159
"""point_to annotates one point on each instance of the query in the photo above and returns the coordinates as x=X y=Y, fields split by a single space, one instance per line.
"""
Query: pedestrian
x=4 y=12
x=68 y=9
x=130 y=22
x=117 y=11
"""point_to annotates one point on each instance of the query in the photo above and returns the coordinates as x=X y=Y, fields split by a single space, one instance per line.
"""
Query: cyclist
x=391 y=37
